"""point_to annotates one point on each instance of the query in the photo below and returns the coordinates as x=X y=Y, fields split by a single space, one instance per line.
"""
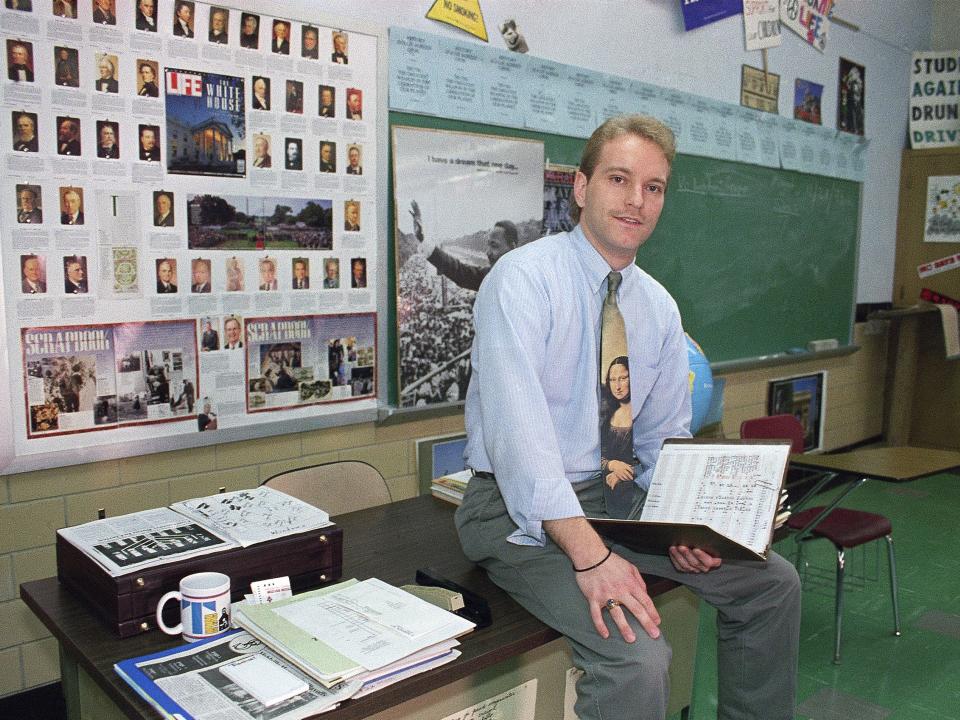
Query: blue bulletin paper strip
x=697 y=13
x=479 y=83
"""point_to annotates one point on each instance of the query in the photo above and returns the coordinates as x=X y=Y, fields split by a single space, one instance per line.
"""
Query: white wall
x=946 y=25
x=644 y=39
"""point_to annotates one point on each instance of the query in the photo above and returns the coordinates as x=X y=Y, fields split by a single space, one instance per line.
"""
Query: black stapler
x=475 y=608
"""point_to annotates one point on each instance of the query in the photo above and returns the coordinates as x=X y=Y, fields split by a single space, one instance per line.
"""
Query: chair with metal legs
x=844 y=527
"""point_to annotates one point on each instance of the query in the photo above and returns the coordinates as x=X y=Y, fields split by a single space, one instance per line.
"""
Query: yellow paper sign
x=463 y=14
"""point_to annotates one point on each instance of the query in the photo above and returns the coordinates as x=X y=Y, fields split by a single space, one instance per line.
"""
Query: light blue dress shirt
x=532 y=408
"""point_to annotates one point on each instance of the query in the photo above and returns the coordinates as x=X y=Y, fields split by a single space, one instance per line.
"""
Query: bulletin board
x=193 y=211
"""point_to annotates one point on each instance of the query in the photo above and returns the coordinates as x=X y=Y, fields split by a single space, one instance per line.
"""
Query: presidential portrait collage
x=190 y=216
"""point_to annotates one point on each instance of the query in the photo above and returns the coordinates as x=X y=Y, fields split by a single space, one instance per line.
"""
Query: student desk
x=389 y=542
x=888 y=464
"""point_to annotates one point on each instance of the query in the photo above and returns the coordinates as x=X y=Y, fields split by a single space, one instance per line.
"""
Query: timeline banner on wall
x=177 y=177
x=513 y=90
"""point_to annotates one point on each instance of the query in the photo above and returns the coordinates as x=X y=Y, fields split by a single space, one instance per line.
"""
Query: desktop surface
x=389 y=542
x=890 y=464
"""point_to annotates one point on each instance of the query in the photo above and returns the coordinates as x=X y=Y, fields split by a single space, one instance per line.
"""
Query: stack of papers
x=451 y=487
x=129 y=543
x=366 y=631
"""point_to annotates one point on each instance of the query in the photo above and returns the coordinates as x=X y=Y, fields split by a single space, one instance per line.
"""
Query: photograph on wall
x=806 y=101
x=206 y=126
x=943 y=209
x=557 y=196
x=305 y=360
x=231 y=222
x=759 y=90
x=802 y=396
x=462 y=200
x=851 y=93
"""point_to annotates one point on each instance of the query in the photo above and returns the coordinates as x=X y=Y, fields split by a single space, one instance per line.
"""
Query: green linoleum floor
x=913 y=677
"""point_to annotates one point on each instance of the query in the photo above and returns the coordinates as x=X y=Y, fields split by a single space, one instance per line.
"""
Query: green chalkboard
x=759 y=260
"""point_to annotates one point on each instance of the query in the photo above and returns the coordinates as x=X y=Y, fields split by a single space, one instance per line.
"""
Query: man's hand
x=417 y=221
x=613 y=579
x=692 y=560
x=618 y=472
x=619 y=580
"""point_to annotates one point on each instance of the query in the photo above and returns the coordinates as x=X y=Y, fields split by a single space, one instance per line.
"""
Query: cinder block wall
x=34 y=505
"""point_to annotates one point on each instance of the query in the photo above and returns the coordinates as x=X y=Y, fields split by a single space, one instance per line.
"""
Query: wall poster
x=943 y=209
x=191 y=225
x=462 y=200
x=804 y=397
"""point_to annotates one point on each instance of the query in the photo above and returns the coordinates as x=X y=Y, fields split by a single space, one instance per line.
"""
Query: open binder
x=718 y=495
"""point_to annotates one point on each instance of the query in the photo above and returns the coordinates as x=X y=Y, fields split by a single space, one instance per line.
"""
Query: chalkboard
x=760 y=260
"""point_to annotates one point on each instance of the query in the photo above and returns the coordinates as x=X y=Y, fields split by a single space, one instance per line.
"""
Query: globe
x=701 y=384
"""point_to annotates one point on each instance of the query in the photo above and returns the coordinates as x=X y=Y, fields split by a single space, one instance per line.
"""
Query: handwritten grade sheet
x=253 y=516
x=733 y=489
x=373 y=623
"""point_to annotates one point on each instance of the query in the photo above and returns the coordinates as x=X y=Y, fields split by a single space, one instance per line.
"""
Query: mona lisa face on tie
x=618 y=380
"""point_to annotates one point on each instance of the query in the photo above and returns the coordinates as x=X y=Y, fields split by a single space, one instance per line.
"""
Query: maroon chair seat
x=843 y=527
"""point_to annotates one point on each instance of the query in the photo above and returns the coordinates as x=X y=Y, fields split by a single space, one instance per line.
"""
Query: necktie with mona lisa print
x=616 y=417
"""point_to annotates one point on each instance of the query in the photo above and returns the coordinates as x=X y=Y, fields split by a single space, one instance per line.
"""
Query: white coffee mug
x=204 y=606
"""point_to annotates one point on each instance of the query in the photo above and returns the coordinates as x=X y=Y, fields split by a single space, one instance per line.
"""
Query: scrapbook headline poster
x=89 y=377
x=297 y=361
x=462 y=201
x=943 y=209
x=173 y=172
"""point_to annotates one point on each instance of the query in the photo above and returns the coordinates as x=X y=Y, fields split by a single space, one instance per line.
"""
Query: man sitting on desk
x=536 y=451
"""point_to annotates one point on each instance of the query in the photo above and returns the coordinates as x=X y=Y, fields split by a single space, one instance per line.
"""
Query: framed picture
x=806 y=101
x=438 y=456
x=851 y=93
x=804 y=397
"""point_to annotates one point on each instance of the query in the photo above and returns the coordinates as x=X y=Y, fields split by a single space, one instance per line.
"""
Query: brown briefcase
x=128 y=603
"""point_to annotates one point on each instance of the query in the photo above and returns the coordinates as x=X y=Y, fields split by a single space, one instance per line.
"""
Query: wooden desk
x=389 y=542
x=888 y=464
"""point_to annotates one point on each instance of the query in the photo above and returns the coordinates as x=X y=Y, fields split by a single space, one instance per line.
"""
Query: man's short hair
x=641 y=125
x=509 y=231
